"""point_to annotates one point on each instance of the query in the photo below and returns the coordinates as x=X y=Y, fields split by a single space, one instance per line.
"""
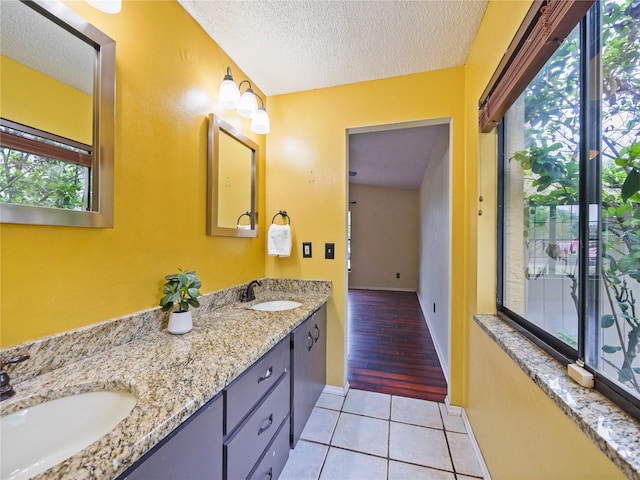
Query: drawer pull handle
x=266 y=376
x=265 y=428
x=270 y=473
x=309 y=341
x=315 y=339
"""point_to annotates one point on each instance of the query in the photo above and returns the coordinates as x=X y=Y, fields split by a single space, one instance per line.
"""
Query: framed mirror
x=232 y=181
x=57 y=92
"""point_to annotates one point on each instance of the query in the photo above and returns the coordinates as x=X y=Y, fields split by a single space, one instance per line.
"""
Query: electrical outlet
x=329 y=253
x=306 y=250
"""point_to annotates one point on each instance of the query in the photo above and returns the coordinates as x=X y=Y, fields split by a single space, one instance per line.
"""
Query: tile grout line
x=446 y=439
x=384 y=458
x=389 y=421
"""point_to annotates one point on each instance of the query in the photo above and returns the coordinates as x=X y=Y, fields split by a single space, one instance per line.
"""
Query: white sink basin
x=276 y=305
x=39 y=437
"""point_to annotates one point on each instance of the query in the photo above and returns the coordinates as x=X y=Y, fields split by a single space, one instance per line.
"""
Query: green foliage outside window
x=551 y=169
x=27 y=179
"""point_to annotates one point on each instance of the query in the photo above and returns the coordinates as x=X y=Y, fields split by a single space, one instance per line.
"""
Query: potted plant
x=182 y=290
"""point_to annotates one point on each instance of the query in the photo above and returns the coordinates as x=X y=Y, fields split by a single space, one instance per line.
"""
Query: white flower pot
x=180 y=322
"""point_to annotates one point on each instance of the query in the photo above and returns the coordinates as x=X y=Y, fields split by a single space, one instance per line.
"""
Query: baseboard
x=476 y=448
x=333 y=390
x=452 y=409
x=383 y=289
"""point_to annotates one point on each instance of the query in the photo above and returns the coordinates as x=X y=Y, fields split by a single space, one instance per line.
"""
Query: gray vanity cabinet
x=192 y=452
x=308 y=369
x=257 y=409
x=272 y=462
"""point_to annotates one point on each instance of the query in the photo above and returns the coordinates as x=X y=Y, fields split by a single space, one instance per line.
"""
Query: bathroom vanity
x=217 y=402
x=246 y=432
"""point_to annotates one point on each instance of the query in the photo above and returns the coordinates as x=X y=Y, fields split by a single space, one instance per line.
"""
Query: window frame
x=590 y=172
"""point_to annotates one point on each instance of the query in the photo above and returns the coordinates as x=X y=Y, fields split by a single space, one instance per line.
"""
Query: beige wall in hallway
x=384 y=238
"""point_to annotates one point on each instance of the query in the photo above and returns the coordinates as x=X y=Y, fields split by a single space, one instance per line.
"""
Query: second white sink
x=36 y=438
x=276 y=305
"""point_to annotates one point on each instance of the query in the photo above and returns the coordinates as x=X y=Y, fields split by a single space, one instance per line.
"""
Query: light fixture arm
x=249 y=89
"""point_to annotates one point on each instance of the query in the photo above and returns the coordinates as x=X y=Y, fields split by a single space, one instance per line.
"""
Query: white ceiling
x=295 y=45
x=395 y=158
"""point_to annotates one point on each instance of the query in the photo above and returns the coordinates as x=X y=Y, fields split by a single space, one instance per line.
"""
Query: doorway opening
x=399 y=255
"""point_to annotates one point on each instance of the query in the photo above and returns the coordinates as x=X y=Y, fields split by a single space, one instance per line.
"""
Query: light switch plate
x=306 y=250
x=329 y=253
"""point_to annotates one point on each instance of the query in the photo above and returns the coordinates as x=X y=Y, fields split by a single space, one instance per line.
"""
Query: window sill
x=609 y=427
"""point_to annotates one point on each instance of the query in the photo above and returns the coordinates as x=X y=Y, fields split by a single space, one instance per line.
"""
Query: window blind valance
x=544 y=28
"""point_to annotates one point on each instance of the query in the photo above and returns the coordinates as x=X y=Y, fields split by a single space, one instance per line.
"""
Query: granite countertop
x=172 y=376
x=615 y=432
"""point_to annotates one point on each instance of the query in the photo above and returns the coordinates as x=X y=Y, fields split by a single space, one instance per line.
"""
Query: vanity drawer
x=251 y=386
x=274 y=459
x=250 y=440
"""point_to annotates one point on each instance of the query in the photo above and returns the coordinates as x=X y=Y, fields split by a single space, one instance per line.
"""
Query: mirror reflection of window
x=57 y=92
x=234 y=182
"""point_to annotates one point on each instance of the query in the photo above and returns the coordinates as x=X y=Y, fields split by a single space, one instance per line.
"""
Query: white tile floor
x=373 y=436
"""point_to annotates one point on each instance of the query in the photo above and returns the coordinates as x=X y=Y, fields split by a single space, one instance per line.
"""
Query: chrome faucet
x=6 y=390
x=248 y=294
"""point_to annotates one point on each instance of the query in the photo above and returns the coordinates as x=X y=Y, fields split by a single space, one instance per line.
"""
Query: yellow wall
x=234 y=181
x=59 y=278
x=521 y=432
x=307 y=177
x=32 y=98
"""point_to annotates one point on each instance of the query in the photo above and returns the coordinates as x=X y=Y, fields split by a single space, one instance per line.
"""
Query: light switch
x=306 y=249
x=329 y=251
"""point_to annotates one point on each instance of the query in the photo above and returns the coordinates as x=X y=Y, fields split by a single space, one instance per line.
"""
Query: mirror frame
x=101 y=213
x=216 y=125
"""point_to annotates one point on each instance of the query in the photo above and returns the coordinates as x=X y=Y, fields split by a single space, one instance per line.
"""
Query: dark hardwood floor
x=390 y=347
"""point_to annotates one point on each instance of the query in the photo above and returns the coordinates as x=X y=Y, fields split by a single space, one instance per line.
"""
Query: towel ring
x=248 y=214
x=284 y=215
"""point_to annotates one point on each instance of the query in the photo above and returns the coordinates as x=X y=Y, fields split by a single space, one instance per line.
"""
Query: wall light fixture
x=246 y=105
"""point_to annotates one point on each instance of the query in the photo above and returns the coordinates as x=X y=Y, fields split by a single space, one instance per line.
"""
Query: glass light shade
x=228 y=95
x=248 y=104
x=107 y=6
x=260 y=122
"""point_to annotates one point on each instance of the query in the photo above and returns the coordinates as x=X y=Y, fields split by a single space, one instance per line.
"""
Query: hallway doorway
x=399 y=252
x=390 y=347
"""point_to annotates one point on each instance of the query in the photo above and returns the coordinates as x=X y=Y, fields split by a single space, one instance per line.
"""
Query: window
x=40 y=169
x=570 y=201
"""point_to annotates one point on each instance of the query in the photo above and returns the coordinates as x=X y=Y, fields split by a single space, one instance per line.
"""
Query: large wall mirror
x=57 y=97
x=232 y=181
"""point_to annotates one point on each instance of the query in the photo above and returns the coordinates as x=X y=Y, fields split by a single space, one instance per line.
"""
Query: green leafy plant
x=556 y=183
x=181 y=289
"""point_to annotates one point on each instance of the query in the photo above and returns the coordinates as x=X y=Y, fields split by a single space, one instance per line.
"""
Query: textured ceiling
x=396 y=158
x=288 y=46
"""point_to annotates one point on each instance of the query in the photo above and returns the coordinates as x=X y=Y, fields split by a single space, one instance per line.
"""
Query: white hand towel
x=279 y=240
